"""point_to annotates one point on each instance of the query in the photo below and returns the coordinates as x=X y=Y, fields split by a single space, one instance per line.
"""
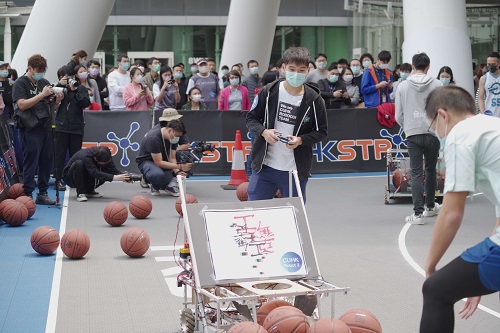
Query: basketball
x=241 y=191
x=115 y=213
x=135 y=242
x=140 y=206
x=401 y=179
x=329 y=325
x=29 y=203
x=247 y=327
x=75 y=243
x=3 y=205
x=361 y=321
x=15 y=213
x=190 y=199
x=286 y=319
x=45 y=240
x=268 y=307
x=16 y=190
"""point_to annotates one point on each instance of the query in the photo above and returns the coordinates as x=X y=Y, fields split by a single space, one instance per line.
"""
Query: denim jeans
x=155 y=175
x=423 y=147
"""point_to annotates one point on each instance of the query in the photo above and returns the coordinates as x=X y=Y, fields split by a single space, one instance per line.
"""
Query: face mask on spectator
x=125 y=66
x=367 y=63
x=445 y=81
x=138 y=78
x=254 y=70
x=234 y=82
x=203 y=69
x=356 y=70
x=347 y=78
x=333 y=78
x=141 y=68
x=225 y=72
x=94 y=71
x=166 y=77
x=83 y=75
x=404 y=75
x=177 y=75
x=492 y=68
x=156 y=68
x=321 y=64
x=341 y=69
x=38 y=76
x=194 y=69
x=4 y=73
x=196 y=97
x=383 y=66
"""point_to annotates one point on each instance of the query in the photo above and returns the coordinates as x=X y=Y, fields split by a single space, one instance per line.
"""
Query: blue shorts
x=487 y=255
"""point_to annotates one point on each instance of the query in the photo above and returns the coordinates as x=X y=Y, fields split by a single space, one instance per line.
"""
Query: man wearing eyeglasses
x=422 y=143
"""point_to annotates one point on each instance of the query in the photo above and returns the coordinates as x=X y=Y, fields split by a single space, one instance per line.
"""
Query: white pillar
x=241 y=45
x=442 y=36
x=7 y=41
x=58 y=28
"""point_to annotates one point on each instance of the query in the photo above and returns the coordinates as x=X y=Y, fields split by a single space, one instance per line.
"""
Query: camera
x=194 y=154
x=59 y=90
x=134 y=177
x=72 y=82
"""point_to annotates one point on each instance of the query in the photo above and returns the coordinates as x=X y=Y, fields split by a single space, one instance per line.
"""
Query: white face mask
x=321 y=64
x=138 y=78
x=175 y=140
x=196 y=97
x=203 y=69
x=347 y=78
x=367 y=63
x=383 y=66
x=141 y=68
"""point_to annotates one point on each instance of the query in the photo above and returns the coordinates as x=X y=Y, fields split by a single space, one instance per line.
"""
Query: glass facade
x=370 y=30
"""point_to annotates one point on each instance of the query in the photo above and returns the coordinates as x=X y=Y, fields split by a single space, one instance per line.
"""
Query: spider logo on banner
x=125 y=143
x=396 y=139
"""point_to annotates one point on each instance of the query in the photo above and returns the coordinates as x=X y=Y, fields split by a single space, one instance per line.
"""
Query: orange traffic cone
x=238 y=172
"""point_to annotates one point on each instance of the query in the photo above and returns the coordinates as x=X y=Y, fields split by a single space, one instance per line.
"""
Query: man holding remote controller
x=287 y=117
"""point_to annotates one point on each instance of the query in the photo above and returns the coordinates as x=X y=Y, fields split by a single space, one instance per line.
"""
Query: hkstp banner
x=356 y=142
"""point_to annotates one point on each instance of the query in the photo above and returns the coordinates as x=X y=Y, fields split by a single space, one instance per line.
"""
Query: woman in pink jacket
x=137 y=96
x=234 y=96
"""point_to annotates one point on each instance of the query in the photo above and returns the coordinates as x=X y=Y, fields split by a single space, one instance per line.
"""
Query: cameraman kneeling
x=156 y=158
x=90 y=168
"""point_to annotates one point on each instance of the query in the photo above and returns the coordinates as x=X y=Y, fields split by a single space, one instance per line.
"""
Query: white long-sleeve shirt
x=116 y=82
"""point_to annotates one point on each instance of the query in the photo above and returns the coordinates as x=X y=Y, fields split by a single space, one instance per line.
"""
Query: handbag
x=38 y=115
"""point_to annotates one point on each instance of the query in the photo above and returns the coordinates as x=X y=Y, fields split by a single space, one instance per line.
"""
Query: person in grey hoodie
x=422 y=143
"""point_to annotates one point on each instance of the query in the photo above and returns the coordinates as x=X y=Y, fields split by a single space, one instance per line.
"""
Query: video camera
x=194 y=153
x=134 y=177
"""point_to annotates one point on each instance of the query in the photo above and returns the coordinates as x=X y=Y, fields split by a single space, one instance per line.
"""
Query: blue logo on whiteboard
x=291 y=262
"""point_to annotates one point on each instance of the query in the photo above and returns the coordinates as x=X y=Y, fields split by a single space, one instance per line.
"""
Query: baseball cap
x=2 y=63
x=201 y=60
x=169 y=115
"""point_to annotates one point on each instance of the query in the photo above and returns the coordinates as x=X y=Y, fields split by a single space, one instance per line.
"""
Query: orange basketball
x=16 y=190
x=140 y=206
x=247 y=327
x=135 y=242
x=268 y=307
x=115 y=213
x=3 y=205
x=329 y=325
x=242 y=191
x=45 y=240
x=401 y=179
x=29 y=203
x=75 y=243
x=15 y=213
x=286 y=319
x=361 y=321
x=190 y=199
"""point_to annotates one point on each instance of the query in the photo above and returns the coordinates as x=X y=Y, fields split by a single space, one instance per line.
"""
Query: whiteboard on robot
x=254 y=243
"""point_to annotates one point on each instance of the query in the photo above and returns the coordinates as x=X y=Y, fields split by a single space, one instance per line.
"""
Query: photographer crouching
x=69 y=119
x=88 y=169
x=157 y=156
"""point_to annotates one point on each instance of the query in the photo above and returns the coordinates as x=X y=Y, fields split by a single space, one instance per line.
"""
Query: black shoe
x=59 y=186
x=43 y=199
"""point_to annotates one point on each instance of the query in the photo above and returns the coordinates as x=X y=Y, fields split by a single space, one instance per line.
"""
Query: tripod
x=52 y=104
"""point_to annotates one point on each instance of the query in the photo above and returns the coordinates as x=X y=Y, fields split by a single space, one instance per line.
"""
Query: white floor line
x=421 y=271
x=56 y=280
